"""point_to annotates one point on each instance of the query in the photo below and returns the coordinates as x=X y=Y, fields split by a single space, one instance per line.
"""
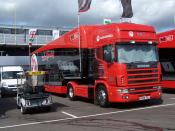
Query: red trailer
x=108 y=63
x=167 y=58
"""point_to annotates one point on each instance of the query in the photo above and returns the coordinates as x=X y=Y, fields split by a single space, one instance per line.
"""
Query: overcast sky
x=159 y=13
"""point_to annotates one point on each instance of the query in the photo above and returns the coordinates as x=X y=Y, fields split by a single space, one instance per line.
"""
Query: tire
x=2 y=95
x=23 y=110
x=18 y=106
x=48 y=108
x=102 y=96
x=70 y=93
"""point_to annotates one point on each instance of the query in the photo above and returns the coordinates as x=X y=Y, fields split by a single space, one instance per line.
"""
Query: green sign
x=107 y=21
x=31 y=39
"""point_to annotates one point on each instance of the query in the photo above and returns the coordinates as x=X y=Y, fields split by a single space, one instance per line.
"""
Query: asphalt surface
x=82 y=114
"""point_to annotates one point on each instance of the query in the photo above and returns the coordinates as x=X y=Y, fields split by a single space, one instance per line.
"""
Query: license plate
x=144 y=98
x=14 y=89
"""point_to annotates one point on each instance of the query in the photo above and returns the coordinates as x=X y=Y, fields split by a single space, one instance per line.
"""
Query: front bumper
x=5 y=90
x=37 y=103
x=37 y=106
x=115 y=96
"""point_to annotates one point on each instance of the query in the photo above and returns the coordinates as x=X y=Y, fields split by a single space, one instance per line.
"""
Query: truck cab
x=131 y=71
x=128 y=64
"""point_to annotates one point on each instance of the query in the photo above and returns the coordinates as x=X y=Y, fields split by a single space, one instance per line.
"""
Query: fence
x=22 y=39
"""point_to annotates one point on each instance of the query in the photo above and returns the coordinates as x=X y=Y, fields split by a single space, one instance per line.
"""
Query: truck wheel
x=70 y=92
x=23 y=110
x=102 y=96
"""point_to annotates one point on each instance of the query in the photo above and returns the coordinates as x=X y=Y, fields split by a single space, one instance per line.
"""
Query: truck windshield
x=10 y=75
x=136 y=53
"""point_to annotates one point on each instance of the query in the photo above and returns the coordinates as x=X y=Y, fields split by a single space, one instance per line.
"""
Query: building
x=14 y=40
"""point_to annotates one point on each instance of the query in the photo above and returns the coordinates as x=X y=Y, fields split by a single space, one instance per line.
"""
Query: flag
x=84 y=5
x=127 y=9
x=32 y=34
x=55 y=34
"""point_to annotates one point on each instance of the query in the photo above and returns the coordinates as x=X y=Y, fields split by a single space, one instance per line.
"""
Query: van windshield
x=10 y=75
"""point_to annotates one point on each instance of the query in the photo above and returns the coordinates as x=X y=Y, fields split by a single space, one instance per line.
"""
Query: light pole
x=15 y=21
x=13 y=7
x=30 y=44
x=79 y=42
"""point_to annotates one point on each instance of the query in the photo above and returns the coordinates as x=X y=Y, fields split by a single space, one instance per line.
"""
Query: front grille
x=142 y=90
x=142 y=65
x=142 y=76
x=12 y=85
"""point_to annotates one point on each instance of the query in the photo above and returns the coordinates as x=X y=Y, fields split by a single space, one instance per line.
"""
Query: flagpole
x=83 y=5
x=79 y=42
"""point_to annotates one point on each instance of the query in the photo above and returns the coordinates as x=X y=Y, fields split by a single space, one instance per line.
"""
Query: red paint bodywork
x=89 y=35
x=96 y=36
x=167 y=41
x=56 y=89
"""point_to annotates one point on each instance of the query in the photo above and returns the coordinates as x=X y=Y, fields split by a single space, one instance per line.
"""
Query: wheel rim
x=71 y=92
x=102 y=96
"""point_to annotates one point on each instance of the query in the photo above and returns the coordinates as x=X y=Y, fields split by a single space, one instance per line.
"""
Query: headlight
x=123 y=91
x=46 y=101
x=28 y=102
x=4 y=84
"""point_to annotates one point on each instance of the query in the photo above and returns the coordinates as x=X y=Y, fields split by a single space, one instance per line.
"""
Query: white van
x=8 y=79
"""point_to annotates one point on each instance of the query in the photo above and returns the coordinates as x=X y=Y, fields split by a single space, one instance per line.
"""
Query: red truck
x=167 y=58
x=108 y=63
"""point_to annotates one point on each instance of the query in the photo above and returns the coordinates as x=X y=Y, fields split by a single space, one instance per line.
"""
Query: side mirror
x=110 y=60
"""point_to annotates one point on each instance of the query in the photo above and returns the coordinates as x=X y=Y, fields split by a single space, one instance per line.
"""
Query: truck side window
x=108 y=53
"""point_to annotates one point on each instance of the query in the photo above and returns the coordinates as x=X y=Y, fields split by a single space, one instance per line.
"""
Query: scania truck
x=108 y=63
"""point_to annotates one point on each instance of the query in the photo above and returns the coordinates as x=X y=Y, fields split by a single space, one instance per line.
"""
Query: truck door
x=109 y=57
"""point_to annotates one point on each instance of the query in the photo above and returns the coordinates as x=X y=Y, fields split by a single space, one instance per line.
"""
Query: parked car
x=8 y=79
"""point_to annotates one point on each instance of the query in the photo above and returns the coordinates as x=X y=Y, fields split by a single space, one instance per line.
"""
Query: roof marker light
x=150 y=42
x=132 y=42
